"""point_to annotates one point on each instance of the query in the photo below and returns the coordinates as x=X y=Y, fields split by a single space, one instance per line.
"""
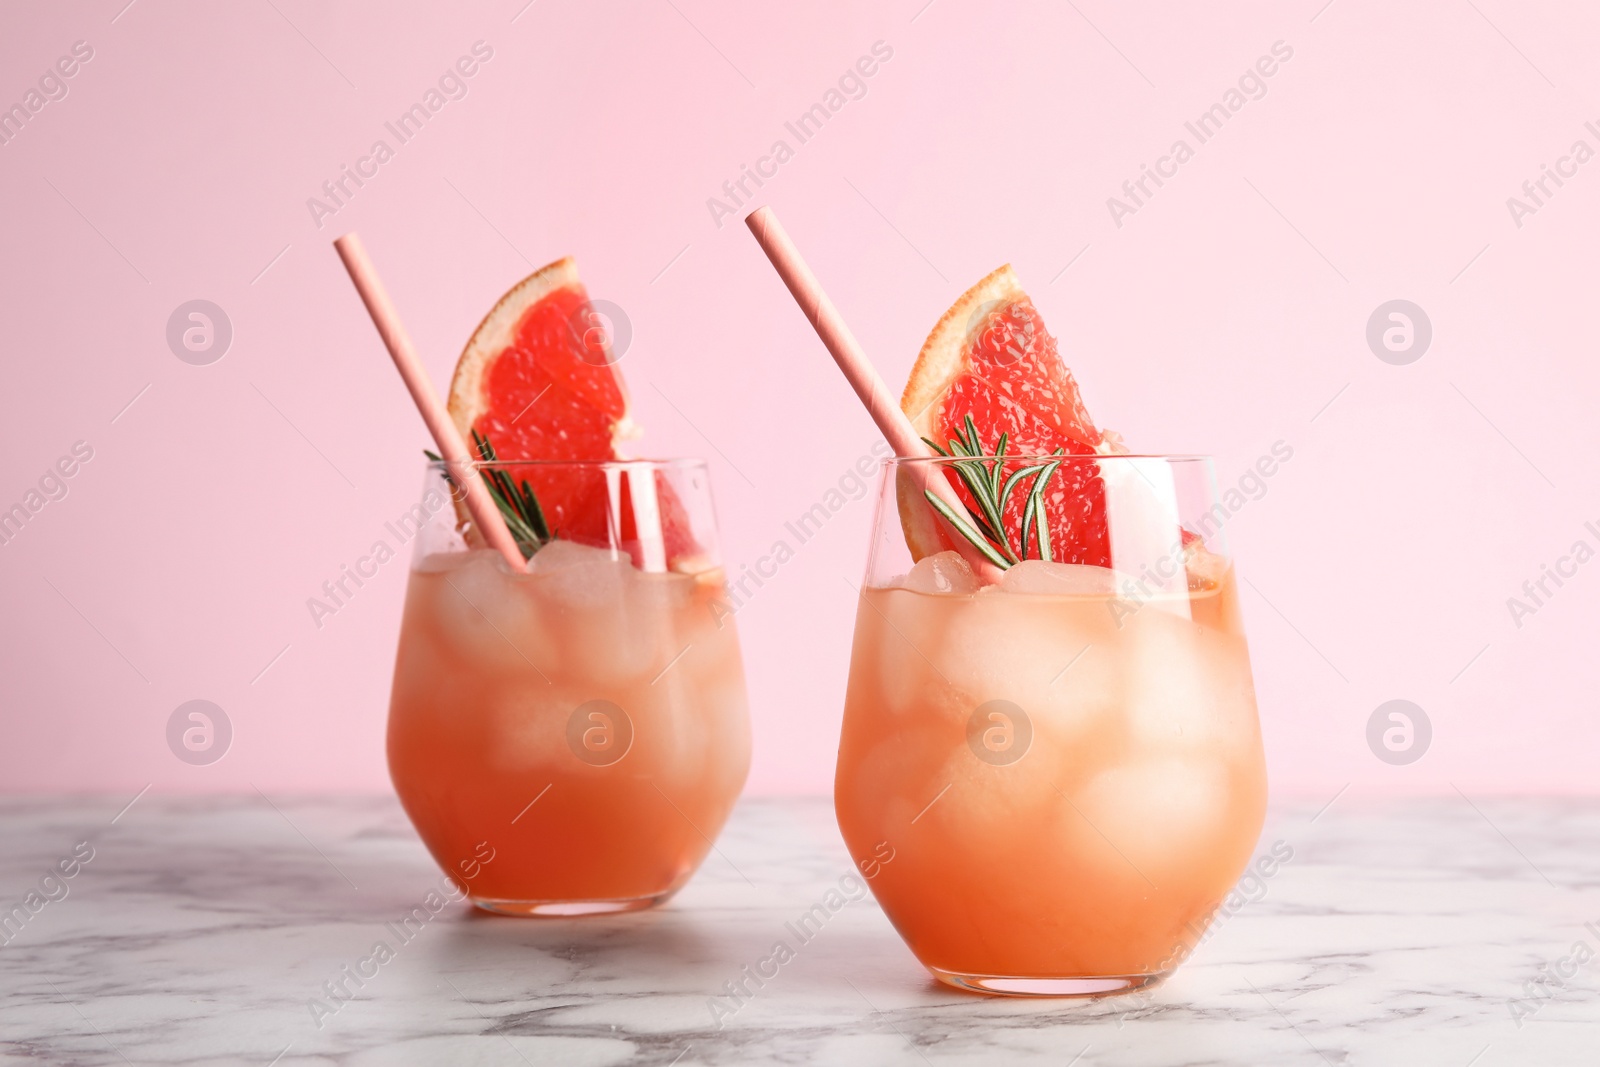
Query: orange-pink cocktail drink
x=586 y=719
x=1067 y=762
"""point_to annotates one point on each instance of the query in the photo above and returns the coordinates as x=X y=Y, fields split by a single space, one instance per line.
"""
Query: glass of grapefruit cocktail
x=567 y=728
x=1051 y=765
x=1050 y=717
x=1067 y=763
x=583 y=722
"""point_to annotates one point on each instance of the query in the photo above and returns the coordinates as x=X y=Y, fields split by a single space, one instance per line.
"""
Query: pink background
x=1228 y=313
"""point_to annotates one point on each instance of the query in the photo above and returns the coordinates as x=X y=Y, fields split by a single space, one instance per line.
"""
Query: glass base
x=1098 y=986
x=566 y=909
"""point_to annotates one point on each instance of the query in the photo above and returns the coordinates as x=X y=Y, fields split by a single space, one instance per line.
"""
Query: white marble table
x=201 y=930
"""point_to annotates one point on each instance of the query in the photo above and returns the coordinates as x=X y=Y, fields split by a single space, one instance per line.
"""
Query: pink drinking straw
x=857 y=368
x=485 y=515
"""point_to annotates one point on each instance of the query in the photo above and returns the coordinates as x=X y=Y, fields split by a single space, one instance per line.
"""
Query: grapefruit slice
x=990 y=357
x=540 y=382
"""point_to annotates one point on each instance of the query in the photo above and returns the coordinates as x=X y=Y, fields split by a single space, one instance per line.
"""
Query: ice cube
x=558 y=556
x=1142 y=510
x=1020 y=647
x=1059 y=579
x=1189 y=687
x=898 y=633
x=441 y=562
x=480 y=579
x=1206 y=569
x=527 y=727
x=482 y=607
x=656 y=621
x=580 y=576
x=899 y=773
x=1156 y=817
x=942 y=572
x=659 y=592
x=612 y=624
x=697 y=715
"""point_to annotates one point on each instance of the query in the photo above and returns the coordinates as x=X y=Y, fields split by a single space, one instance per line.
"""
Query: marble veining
x=202 y=931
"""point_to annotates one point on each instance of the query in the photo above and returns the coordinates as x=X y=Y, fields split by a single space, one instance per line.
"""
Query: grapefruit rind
x=496 y=334
x=498 y=331
x=944 y=353
x=943 y=358
x=499 y=334
x=948 y=355
x=925 y=533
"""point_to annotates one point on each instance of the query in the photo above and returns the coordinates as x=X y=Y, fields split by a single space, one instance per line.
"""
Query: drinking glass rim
x=671 y=463
x=1070 y=457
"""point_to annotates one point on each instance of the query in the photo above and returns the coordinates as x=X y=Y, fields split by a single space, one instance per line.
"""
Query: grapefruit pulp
x=990 y=357
x=539 y=382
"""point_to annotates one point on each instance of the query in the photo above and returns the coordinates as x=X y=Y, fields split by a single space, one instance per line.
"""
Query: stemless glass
x=1066 y=766
x=570 y=740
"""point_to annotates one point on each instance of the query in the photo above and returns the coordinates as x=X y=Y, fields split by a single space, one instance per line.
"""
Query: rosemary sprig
x=981 y=472
x=516 y=501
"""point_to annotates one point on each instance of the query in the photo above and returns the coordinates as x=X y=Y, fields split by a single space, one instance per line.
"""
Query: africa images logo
x=338 y=191
x=52 y=86
x=1251 y=85
x=851 y=85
